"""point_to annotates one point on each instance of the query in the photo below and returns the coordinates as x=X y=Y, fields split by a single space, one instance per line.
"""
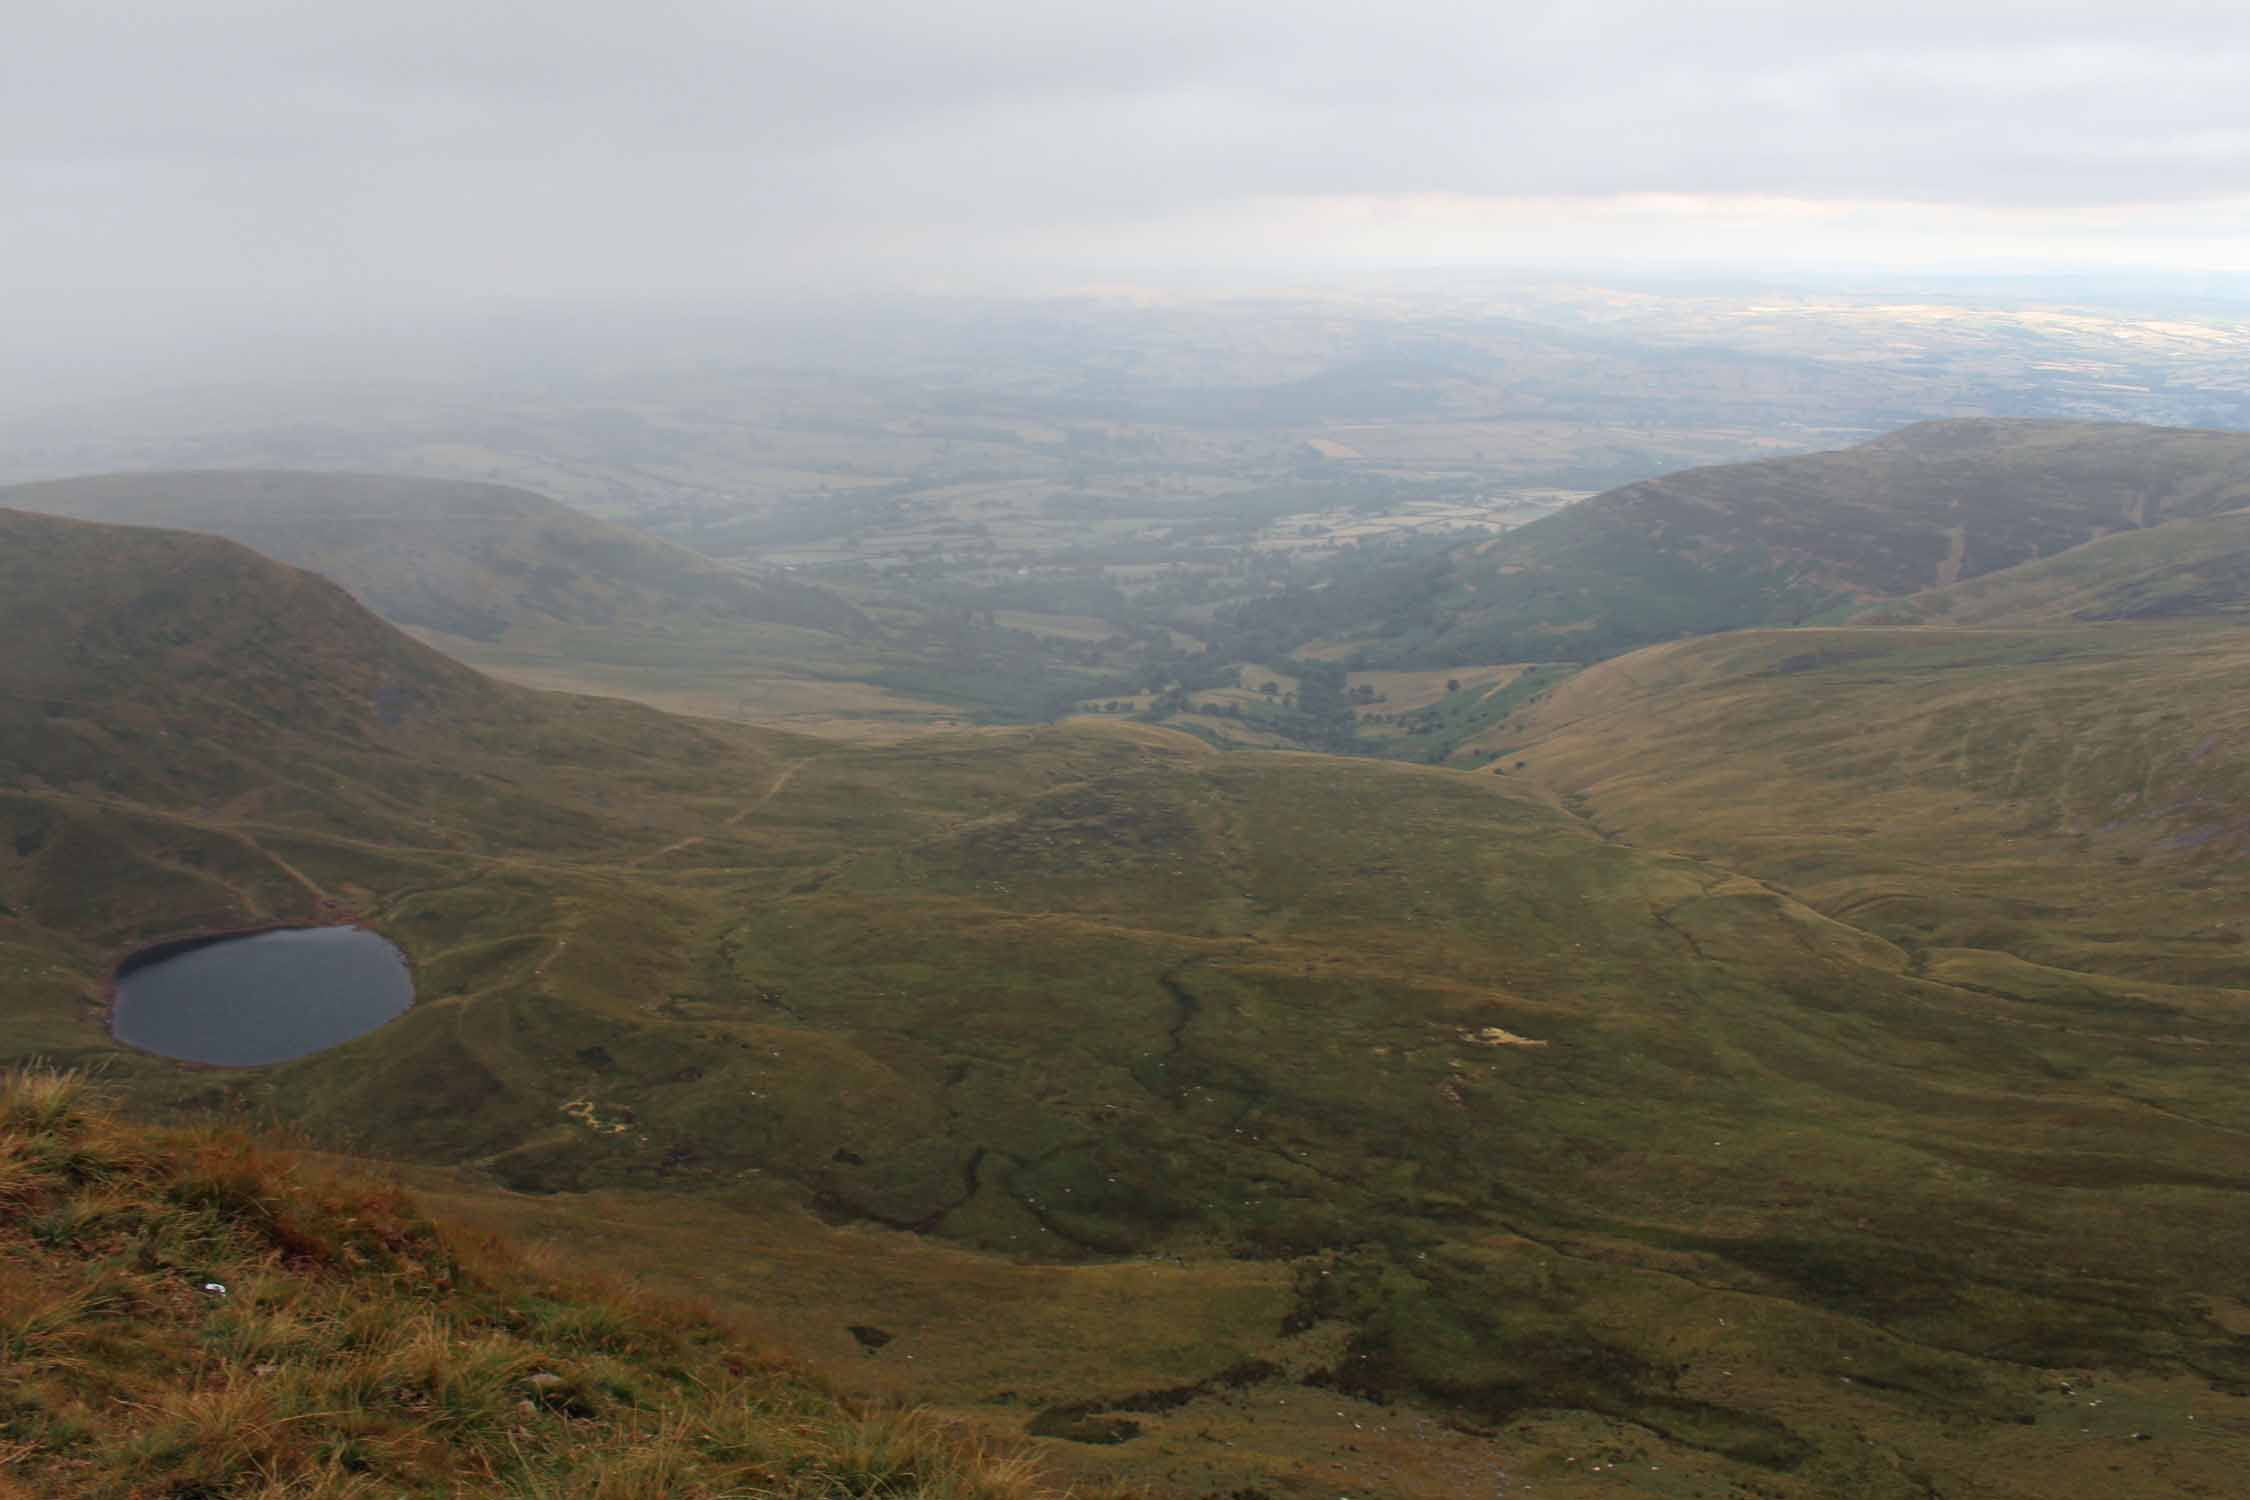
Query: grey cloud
x=458 y=143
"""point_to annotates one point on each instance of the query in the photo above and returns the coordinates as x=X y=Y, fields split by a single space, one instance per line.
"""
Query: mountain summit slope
x=479 y=561
x=1778 y=541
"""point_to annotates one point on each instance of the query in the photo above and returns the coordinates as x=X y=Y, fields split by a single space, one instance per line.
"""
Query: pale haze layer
x=171 y=161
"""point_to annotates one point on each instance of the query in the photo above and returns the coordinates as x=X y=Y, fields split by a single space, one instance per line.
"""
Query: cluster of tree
x=1319 y=713
x=1397 y=587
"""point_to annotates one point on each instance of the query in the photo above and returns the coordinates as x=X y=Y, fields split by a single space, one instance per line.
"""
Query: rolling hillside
x=2076 y=798
x=483 y=562
x=1775 y=542
x=1268 y=1122
x=2181 y=569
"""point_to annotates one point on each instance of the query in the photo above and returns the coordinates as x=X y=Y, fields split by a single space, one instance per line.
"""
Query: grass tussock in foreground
x=190 y=1314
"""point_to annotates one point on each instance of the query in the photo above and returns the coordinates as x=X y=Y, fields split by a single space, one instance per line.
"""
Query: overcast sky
x=372 y=153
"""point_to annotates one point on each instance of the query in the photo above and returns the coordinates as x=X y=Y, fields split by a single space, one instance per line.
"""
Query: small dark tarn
x=263 y=998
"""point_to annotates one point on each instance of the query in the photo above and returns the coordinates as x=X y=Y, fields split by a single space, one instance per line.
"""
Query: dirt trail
x=249 y=842
x=788 y=774
x=566 y=924
x=1957 y=552
x=672 y=848
x=743 y=815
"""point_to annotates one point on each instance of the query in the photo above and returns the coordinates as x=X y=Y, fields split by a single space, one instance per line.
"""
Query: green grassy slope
x=2074 y=797
x=484 y=562
x=1778 y=541
x=1604 y=1152
x=2185 y=568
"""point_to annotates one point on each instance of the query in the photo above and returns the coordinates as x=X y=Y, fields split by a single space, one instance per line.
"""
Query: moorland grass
x=193 y=1313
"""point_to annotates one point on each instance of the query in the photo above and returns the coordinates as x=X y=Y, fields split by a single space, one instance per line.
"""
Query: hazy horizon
x=228 y=181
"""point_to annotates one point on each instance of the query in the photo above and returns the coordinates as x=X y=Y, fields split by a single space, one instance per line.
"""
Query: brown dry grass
x=197 y=1314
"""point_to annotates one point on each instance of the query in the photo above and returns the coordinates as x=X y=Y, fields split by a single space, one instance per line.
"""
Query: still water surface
x=264 y=998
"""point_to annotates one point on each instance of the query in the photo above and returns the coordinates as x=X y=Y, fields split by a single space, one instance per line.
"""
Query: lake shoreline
x=164 y=950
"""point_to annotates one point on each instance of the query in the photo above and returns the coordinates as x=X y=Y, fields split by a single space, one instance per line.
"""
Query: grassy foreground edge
x=194 y=1313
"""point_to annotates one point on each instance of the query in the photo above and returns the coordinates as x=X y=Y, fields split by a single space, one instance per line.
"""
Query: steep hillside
x=480 y=561
x=1778 y=541
x=177 y=713
x=192 y=1314
x=2184 y=568
x=1258 y=1121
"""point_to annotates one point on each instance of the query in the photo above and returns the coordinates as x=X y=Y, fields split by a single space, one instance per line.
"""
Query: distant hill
x=1777 y=541
x=2180 y=569
x=484 y=562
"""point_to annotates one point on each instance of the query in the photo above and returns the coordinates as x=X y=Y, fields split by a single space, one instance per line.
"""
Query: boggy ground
x=1121 y=1082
